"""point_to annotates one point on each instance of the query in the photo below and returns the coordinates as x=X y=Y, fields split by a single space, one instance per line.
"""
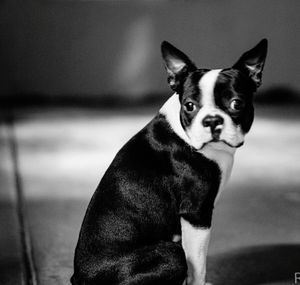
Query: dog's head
x=215 y=105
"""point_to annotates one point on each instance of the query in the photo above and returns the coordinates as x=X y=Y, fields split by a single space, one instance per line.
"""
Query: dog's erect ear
x=177 y=64
x=252 y=62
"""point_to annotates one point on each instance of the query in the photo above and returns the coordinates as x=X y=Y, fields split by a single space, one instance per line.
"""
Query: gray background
x=104 y=48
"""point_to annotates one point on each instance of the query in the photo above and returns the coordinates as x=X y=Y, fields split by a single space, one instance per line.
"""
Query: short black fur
x=155 y=179
x=233 y=84
x=190 y=93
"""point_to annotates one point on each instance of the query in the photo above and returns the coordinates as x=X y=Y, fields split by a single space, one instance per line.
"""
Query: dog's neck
x=171 y=111
x=219 y=152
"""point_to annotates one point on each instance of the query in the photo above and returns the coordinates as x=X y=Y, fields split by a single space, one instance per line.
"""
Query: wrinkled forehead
x=234 y=80
x=200 y=84
x=191 y=85
x=207 y=86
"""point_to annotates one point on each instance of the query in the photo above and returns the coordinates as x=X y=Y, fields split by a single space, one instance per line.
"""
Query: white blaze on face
x=207 y=85
x=198 y=134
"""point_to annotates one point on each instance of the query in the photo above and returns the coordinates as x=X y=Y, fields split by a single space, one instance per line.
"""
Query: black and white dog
x=149 y=220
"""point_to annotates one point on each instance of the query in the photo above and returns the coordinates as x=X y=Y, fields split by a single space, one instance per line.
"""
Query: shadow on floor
x=255 y=265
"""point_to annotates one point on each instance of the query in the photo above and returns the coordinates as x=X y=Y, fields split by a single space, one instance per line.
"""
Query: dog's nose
x=213 y=122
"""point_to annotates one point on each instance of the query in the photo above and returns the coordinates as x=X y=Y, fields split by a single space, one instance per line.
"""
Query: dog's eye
x=189 y=107
x=237 y=105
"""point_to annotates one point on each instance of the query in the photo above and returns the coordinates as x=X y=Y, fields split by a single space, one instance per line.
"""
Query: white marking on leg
x=195 y=243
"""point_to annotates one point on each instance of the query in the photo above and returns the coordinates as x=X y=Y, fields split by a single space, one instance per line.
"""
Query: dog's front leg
x=195 y=242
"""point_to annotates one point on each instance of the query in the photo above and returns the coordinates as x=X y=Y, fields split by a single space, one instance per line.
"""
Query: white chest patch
x=223 y=155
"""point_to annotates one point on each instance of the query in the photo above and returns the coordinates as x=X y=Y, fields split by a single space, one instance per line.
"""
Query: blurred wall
x=113 y=47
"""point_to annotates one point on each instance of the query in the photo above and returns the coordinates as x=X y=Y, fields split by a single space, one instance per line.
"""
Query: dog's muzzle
x=215 y=123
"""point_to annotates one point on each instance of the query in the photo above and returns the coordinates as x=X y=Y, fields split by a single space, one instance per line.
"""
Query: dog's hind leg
x=160 y=264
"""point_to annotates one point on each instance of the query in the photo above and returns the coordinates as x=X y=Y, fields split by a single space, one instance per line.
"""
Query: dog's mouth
x=214 y=140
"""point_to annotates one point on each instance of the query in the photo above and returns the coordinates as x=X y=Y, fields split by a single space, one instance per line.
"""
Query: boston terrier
x=149 y=220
